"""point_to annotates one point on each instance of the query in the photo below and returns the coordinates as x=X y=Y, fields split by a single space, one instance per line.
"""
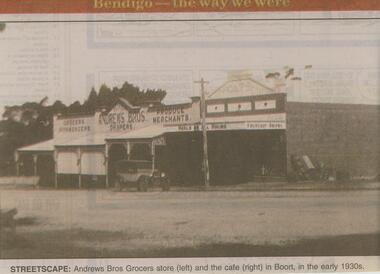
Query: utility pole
x=204 y=131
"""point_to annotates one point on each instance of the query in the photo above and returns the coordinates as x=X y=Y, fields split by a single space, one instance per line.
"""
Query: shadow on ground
x=348 y=245
x=26 y=221
x=64 y=244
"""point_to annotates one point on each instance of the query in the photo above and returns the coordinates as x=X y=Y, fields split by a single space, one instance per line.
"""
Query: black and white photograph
x=194 y=138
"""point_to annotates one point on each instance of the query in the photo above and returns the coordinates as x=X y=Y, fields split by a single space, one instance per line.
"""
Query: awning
x=100 y=139
x=97 y=139
x=88 y=140
x=41 y=146
x=142 y=133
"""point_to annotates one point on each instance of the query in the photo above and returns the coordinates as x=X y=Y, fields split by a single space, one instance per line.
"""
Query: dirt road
x=108 y=223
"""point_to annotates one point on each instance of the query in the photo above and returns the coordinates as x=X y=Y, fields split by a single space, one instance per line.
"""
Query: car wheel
x=143 y=184
x=146 y=184
x=165 y=185
x=118 y=185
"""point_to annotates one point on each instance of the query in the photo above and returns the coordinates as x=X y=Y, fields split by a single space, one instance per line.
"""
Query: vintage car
x=139 y=174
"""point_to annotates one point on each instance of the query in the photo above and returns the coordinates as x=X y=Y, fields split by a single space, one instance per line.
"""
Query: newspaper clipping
x=189 y=136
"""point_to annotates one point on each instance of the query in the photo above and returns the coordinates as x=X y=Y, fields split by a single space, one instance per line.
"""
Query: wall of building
x=344 y=137
x=240 y=156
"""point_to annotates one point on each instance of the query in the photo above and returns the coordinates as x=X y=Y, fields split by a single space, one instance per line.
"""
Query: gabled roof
x=240 y=88
x=124 y=103
x=127 y=104
x=41 y=146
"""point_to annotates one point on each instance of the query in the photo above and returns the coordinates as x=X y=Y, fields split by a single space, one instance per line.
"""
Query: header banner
x=133 y=6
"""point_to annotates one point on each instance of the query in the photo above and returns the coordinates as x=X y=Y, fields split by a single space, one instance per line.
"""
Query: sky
x=64 y=60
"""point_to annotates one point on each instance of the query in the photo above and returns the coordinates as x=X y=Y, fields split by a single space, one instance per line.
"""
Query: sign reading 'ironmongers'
x=74 y=125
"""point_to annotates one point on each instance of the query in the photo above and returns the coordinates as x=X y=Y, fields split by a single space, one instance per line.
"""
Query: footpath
x=286 y=186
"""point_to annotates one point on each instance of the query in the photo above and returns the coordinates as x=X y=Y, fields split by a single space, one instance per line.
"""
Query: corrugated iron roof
x=142 y=133
x=41 y=146
x=88 y=140
x=100 y=139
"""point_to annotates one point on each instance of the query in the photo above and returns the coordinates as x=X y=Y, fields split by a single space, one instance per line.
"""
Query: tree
x=91 y=103
x=74 y=108
x=58 y=107
x=139 y=97
x=129 y=92
x=12 y=136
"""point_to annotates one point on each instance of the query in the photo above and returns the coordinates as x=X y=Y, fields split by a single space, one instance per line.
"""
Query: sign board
x=73 y=127
x=175 y=118
x=252 y=125
x=177 y=114
x=265 y=104
x=266 y=125
x=120 y=119
x=159 y=141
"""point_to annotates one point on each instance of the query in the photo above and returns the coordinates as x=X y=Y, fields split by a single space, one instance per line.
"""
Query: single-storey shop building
x=252 y=131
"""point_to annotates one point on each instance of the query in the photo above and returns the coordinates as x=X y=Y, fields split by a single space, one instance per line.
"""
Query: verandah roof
x=142 y=133
x=88 y=140
x=149 y=132
x=41 y=146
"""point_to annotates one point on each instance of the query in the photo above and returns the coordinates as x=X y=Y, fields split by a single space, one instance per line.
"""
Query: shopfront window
x=141 y=151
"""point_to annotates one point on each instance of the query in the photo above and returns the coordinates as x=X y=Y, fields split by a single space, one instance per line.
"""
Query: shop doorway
x=161 y=158
x=26 y=167
x=45 y=170
x=242 y=156
x=183 y=158
x=116 y=153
